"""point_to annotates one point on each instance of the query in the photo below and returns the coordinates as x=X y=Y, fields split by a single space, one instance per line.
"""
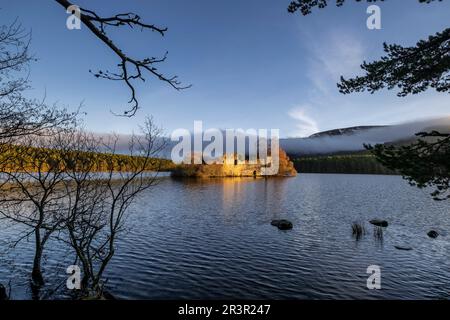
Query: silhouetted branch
x=425 y=163
x=411 y=69
x=306 y=6
x=100 y=188
x=14 y=57
x=20 y=116
x=33 y=195
x=130 y=68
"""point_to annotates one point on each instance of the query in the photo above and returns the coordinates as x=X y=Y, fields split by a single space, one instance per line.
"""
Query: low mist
x=354 y=141
x=347 y=142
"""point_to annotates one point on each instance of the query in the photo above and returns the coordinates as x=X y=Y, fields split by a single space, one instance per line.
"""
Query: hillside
x=342 y=150
x=352 y=139
x=343 y=131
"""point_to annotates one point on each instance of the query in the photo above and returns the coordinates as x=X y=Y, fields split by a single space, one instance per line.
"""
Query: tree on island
x=412 y=70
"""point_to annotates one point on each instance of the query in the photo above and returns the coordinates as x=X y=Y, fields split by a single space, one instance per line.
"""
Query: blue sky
x=251 y=63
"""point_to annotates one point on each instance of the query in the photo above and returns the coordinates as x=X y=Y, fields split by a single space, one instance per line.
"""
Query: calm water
x=213 y=240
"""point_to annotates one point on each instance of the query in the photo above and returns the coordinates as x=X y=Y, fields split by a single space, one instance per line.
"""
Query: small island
x=234 y=168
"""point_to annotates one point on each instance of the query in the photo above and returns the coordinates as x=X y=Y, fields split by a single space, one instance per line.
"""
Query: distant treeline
x=363 y=163
x=16 y=157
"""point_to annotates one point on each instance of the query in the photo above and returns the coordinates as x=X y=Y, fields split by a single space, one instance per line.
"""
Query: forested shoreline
x=17 y=157
x=346 y=164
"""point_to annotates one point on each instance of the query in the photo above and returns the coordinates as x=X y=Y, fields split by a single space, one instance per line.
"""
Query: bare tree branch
x=101 y=187
x=306 y=6
x=130 y=68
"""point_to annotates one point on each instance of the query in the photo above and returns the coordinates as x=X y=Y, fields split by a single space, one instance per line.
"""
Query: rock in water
x=282 y=224
x=275 y=223
x=285 y=225
x=403 y=248
x=379 y=223
x=433 y=234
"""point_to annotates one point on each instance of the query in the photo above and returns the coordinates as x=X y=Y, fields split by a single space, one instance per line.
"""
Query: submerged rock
x=282 y=224
x=379 y=223
x=285 y=225
x=433 y=234
x=403 y=248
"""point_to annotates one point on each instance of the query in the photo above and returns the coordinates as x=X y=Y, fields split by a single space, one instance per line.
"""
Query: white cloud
x=330 y=56
x=305 y=125
x=336 y=55
x=341 y=53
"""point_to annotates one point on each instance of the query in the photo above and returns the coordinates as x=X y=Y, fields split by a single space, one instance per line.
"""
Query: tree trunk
x=36 y=274
x=85 y=280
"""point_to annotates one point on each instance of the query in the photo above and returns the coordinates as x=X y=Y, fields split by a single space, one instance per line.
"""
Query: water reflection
x=204 y=239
